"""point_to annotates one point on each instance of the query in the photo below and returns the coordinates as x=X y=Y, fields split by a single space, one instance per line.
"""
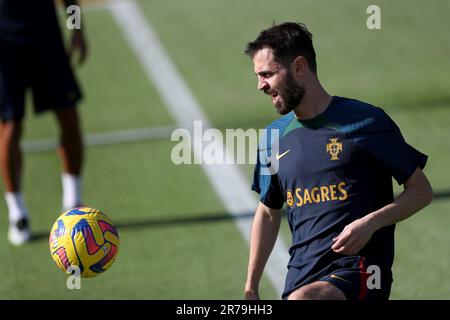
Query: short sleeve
x=267 y=185
x=385 y=142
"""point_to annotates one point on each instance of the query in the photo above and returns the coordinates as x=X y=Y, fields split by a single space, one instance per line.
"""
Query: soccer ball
x=86 y=238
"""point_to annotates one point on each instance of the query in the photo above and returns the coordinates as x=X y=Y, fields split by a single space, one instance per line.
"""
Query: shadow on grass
x=191 y=220
x=442 y=195
x=164 y=222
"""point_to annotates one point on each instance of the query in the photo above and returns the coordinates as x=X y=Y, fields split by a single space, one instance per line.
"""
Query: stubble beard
x=290 y=97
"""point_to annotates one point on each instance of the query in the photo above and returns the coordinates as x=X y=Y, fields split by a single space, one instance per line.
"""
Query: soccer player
x=336 y=158
x=32 y=56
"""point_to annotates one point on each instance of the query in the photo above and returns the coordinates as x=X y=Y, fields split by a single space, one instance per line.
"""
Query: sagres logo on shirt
x=303 y=196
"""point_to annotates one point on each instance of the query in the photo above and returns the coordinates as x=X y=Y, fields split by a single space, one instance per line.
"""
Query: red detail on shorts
x=362 y=279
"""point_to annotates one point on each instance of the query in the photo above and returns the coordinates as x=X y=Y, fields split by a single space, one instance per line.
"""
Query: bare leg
x=71 y=154
x=319 y=290
x=11 y=155
x=71 y=145
x=11 y=170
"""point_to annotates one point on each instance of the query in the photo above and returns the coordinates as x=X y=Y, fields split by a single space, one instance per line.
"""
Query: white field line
x=228 y=181
x=107 y=138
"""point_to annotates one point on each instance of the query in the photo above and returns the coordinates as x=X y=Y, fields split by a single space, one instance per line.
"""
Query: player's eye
x=266 y=75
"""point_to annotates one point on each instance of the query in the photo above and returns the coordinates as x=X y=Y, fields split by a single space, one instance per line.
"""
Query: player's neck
x=314 y=103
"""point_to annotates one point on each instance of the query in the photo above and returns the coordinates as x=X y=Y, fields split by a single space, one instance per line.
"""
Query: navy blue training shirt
x=27 y=21
x=334 y=169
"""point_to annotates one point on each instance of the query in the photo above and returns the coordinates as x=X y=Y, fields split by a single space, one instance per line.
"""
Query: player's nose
x=262 y=85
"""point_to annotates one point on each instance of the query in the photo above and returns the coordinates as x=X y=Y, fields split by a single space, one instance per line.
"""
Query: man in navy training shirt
x=336 y=158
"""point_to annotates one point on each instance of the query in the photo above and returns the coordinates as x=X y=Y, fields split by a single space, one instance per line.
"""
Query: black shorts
x=44 y=68
x=358 y=277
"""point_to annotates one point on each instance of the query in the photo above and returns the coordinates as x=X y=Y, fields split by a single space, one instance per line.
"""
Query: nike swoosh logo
x=339 y=278
x=279 y=156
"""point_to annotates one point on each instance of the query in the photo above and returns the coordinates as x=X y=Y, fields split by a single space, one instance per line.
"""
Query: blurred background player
x=32 y=56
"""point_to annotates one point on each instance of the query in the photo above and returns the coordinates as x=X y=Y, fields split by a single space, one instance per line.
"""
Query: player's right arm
x=265 y=227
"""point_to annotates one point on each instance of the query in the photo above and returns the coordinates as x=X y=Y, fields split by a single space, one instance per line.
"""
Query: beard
x=290 y=97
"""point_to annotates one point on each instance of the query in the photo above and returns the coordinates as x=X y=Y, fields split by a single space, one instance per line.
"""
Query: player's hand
x=251 y=294
x=353 y=238
x=78 y=43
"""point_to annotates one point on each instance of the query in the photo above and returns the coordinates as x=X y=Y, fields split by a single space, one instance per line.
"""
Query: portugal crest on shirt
x=334 y=148
x=289 y=198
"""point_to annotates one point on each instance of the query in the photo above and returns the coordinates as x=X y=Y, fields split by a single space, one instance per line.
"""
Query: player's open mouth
x=274 y=97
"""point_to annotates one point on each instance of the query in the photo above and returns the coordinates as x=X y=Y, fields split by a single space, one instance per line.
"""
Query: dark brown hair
x=288 y=41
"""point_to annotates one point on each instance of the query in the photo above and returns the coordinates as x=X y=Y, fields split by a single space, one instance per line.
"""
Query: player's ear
x=299 y=66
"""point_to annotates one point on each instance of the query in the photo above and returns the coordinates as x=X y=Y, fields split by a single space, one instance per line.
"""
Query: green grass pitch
x=167 y=250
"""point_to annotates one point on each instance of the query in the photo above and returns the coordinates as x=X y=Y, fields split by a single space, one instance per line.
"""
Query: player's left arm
x=416 y=195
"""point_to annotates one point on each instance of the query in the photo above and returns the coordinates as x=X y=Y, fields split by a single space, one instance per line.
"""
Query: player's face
x=277 y=81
